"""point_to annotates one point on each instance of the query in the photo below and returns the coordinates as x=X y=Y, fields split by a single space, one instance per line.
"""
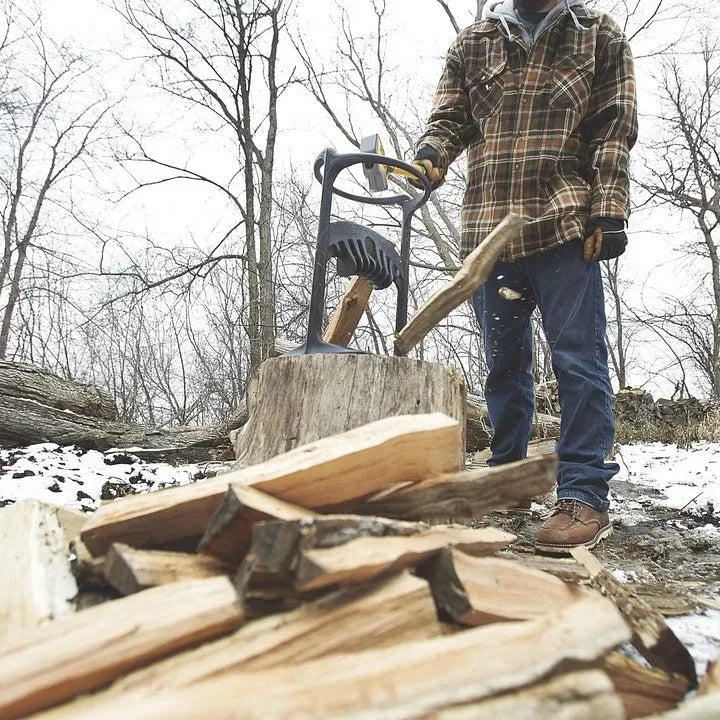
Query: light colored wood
x=481 y=590
x=129 y=570
x=566 y=569
x=583 y=695
x=366 y=558
x=702 y=707
x=470 y=494
x=349 y=312
x=711 y=681
x=403 y=682
x=84 y=651
x=397 y=610
x=472 y=274
x=228 y=532
x=651 y=635
x=36 y=584
x=330 y=471
x=643 y=690
x=302 y=399
x=71 y=522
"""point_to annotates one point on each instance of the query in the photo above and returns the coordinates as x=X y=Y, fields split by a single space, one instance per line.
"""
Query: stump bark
x=300 y=399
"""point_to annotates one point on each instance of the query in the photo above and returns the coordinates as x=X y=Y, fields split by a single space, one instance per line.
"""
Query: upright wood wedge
x=328 y=472
x=408 y=681
x=37 y=584
x=473 y=273
x=651 y=634
x=349 y=312
x=366 y=558
x=90 y=649
x=469 y=494
x=481 y=590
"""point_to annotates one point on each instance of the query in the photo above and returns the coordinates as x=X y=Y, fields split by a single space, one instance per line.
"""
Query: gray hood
x=504 y=12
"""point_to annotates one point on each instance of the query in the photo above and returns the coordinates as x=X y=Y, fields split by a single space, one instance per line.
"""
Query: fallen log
x=403 y=682
x=583 y=695
x=330 y=471
x=367 y=558
x=651 y=635
x=643 y=690
x=482 y=590
x=37 y=583
x=349 y=312
x=300 y=399
x=474 y=271
x=228 y=532
x=470 y=494
x=84 y=651
x=129 y=570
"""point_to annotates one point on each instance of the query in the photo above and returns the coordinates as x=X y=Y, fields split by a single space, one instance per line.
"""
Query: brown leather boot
x=572 y=524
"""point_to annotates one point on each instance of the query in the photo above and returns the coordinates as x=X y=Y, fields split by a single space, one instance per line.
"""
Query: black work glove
x=427 y=159
x=605 y=239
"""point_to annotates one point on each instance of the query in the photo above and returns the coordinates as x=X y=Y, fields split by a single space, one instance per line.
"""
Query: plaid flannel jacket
x=548 y=129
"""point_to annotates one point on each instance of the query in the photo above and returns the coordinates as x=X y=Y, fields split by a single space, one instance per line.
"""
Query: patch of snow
x=623 y=576
x=700 y=633
x=685 y=479
x=75 y=478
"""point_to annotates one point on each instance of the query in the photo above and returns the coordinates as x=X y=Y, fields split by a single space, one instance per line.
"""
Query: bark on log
x=29 y=382
x=305 y=398
x=400 y=682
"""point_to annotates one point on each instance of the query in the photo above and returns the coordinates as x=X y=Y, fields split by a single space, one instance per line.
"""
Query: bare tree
x=683 y=173
x=48 y=132
x=220 y=58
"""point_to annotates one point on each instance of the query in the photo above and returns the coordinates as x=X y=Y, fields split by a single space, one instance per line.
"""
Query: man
x=542 y=93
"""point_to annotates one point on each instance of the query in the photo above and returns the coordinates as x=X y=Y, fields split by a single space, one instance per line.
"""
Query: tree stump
x=300 y=399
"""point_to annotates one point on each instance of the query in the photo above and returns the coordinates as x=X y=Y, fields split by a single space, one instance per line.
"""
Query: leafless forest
x=174 y=323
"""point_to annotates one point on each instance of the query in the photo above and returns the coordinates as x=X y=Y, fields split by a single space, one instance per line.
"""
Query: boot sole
x=601 y=535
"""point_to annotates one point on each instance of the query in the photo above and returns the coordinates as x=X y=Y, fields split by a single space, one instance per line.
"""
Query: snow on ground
x=81 y=479
x=700 y=633
x=683 y=479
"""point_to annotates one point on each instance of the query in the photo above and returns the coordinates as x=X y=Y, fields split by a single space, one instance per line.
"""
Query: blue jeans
x=569 y=293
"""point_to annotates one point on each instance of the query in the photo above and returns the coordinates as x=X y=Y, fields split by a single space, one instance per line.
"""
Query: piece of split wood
x=366 y=558
x=469 y=494
x=651 y=635
x=130 y=570
x=228 y=532
x=582 y=695
x=37 y=584
x=474 y=271
x=643 y=690
x=349 y=312
x=407 y=681
x=482 y=590
x=81 y=652
x=324 y=473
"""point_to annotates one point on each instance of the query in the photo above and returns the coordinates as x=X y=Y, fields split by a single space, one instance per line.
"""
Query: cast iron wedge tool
x=360 y=250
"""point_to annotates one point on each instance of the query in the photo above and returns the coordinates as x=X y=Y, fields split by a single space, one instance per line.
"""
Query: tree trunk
x=301 y=399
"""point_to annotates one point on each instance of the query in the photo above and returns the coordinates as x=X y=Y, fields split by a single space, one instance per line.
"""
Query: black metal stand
x=359 y=250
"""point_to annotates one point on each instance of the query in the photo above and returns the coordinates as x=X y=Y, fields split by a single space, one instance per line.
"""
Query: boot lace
x=571 y=507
